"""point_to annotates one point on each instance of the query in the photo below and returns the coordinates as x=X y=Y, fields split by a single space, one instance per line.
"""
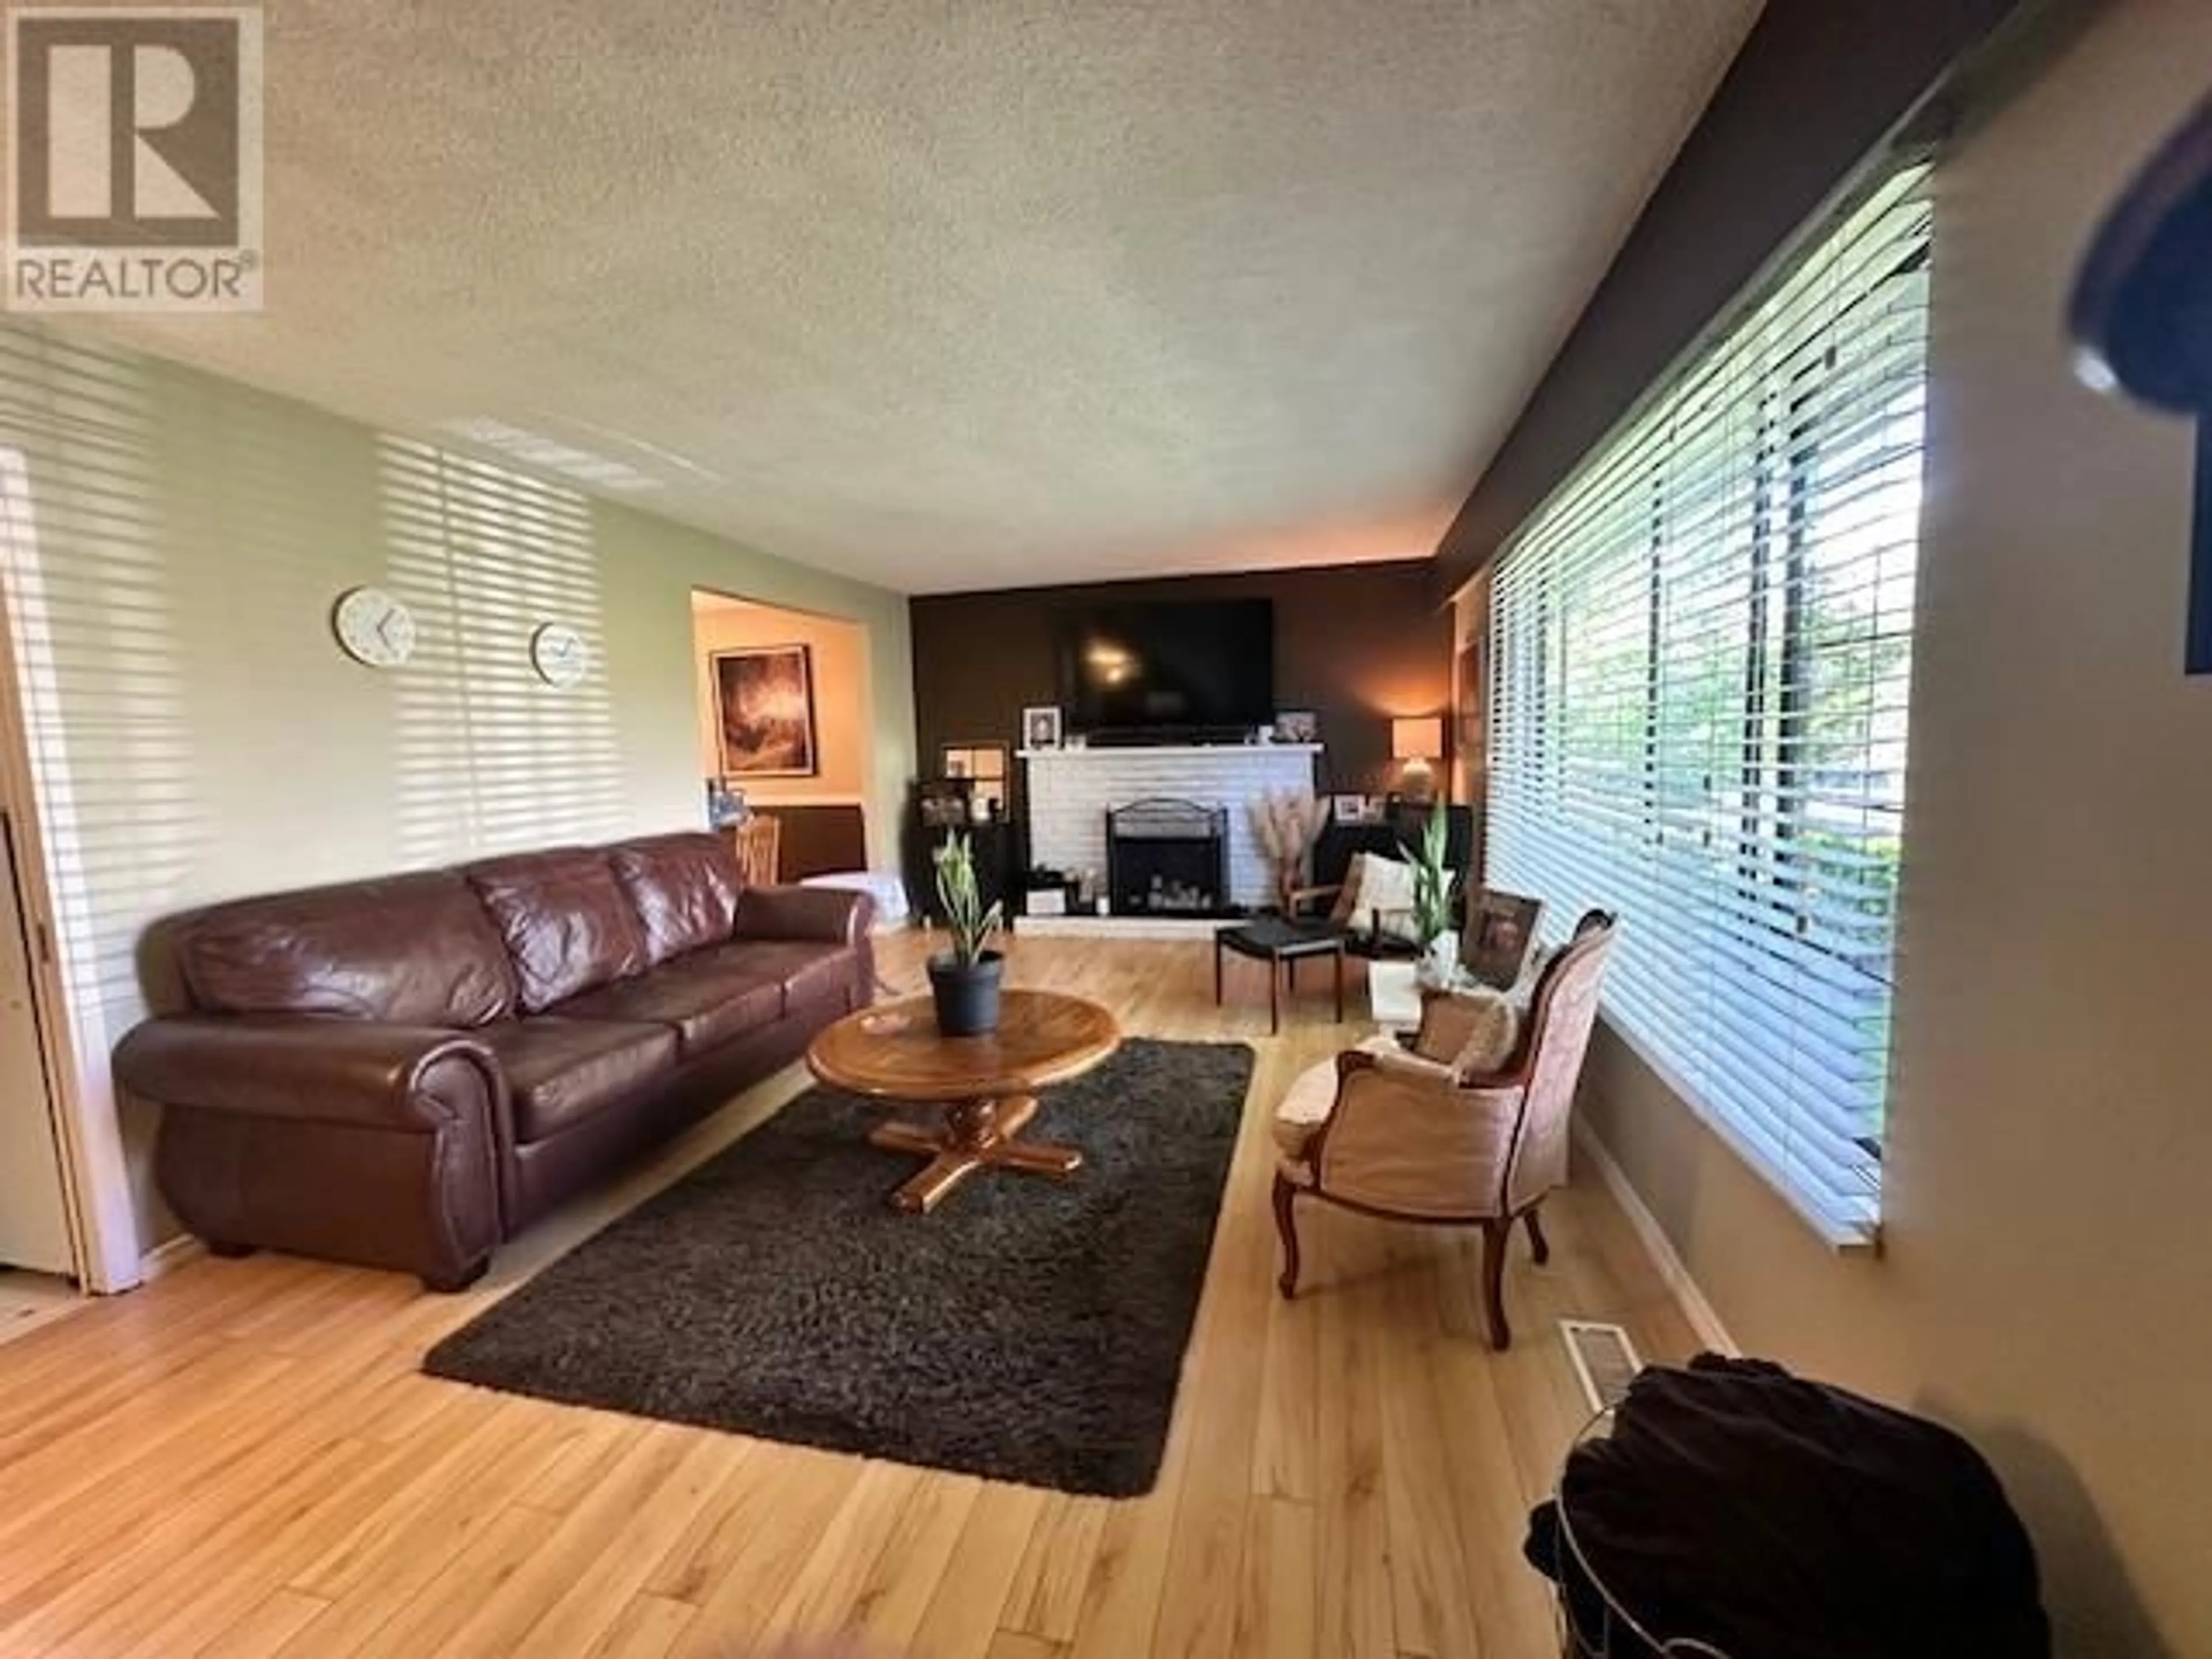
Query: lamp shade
x=1418 y=738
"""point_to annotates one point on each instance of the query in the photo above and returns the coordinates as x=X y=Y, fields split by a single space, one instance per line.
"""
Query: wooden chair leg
x=1274 y=997
x=1539 y=1246
x=1494 y=1237
x=1217 y=971
x=1286 y=1223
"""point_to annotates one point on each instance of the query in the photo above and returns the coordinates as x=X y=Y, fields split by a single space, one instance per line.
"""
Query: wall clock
x=559 y=654
x=373 y=627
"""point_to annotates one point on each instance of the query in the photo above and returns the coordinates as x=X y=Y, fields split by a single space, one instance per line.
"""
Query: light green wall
x=173 y=548
x=2044 y=1281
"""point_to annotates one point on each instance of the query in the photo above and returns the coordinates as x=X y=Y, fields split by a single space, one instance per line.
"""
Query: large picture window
x=1700 y=652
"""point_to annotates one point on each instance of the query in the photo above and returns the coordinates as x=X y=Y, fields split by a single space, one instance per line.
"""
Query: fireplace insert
x=1168 y=858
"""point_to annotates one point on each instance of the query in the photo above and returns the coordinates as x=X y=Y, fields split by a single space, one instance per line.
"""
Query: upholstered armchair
x=1421 y=1136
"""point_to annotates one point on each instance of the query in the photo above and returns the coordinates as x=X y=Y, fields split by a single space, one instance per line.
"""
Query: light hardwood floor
x=28 y=1300
x=241 y=1460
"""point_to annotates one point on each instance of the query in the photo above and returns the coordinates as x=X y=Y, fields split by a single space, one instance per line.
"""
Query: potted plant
x=1434 y=880
x=964 y=978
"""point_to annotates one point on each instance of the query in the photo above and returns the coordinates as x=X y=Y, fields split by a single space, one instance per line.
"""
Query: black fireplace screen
x=1167 y=858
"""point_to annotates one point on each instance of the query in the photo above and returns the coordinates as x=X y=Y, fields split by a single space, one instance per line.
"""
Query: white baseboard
x=1661 y=1249
x=169 y=1256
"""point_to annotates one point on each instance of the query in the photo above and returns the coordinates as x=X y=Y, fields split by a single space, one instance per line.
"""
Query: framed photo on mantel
x=1041 y=728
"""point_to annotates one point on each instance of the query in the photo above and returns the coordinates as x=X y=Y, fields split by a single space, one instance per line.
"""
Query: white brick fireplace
x=1069 y=791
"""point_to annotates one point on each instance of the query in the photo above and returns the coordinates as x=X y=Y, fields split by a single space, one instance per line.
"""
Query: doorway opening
x=37 y=1249
x=786 y=729
x=65 y=1222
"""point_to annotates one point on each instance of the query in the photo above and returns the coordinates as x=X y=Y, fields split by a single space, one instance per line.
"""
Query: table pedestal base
x=977 y=1133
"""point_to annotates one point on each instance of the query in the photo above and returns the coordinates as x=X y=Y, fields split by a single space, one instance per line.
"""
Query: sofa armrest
x=832 y=915
x=374 y=1144
x=357 y=1074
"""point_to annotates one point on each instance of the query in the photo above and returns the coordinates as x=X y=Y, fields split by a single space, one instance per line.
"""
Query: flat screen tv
x=1198 y=666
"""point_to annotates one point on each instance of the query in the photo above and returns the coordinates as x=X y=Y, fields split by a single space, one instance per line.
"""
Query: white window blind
x=1700 y=651
x=483 y=759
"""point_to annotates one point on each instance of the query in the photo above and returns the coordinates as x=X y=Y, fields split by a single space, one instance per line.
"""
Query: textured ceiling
x=973 y=292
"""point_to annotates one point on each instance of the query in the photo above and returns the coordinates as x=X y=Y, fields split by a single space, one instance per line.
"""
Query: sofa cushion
x=561 y=1071
x=568 y=924
x=806 y=971
x=684 y=889
x=414 y=950
x=707 y=1002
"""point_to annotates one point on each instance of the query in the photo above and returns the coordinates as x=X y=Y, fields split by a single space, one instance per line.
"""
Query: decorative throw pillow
x=1473 y=1032
x=1386 y=899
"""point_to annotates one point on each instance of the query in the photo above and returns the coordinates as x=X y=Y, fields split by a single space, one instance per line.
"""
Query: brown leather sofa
x=403 y=1072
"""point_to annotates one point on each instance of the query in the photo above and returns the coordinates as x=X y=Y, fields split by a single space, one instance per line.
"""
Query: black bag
x=1769 y=1517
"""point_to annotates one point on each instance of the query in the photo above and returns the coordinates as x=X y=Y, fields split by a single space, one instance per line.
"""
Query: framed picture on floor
x=764 y=708
x=1501 y=932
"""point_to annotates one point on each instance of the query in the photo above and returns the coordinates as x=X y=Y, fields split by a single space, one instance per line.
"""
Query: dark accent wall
x=1815 y=89
x=1357 y=644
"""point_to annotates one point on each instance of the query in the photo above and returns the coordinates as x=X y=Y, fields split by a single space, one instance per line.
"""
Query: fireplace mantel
x=1203 y=750
x=1069 y=791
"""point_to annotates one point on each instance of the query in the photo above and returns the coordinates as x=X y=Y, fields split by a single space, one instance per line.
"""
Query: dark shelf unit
x=996 y=846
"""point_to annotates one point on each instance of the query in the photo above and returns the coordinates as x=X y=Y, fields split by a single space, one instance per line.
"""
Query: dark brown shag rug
x=1030 y=1330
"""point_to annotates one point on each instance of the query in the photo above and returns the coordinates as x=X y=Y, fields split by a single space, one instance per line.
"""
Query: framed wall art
x=764 y=708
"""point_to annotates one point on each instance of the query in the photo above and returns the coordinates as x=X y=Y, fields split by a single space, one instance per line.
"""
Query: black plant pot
x=967 y=998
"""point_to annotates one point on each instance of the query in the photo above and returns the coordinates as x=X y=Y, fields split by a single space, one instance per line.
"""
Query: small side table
x=1394 y=995
x=1282 y=944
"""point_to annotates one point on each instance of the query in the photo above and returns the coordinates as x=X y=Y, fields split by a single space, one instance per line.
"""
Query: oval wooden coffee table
x=986 y=1086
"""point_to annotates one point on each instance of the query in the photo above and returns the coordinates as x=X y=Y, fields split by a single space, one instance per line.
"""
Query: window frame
x=1766 y=906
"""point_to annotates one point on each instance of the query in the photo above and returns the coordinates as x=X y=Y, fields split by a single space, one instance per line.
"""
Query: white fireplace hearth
x=1069 y=792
